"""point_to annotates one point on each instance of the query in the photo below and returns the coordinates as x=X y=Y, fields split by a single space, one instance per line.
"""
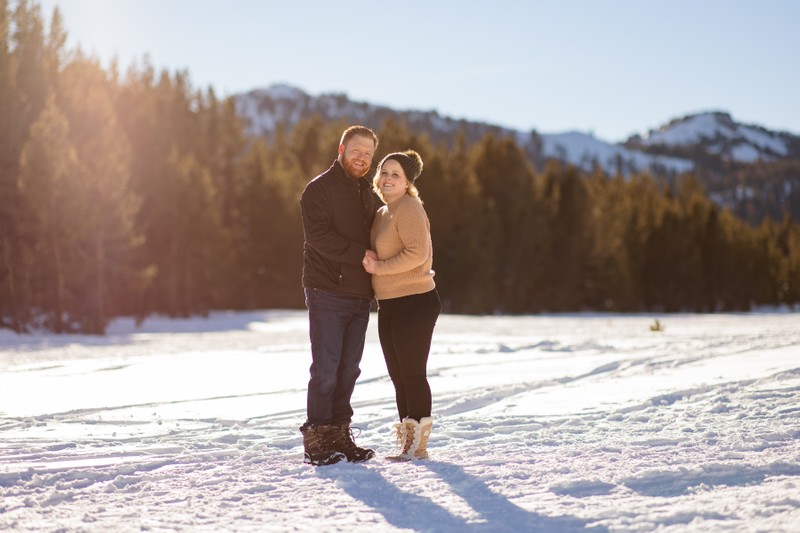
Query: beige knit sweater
x=401 y=236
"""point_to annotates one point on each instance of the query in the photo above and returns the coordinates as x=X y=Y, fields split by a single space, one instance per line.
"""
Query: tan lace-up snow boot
x=424 y=428
x=404 y=438
x=412 y=439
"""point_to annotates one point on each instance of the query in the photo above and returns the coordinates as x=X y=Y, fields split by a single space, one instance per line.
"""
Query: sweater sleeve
x=414 y=233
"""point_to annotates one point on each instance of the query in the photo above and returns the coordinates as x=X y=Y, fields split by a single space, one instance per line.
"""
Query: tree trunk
x=58 y=324
x=99 y=318
x=13 y=303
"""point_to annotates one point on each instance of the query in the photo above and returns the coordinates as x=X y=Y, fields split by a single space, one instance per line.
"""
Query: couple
x=355 y=249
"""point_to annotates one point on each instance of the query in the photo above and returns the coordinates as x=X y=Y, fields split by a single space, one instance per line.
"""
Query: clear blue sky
x=611 y=67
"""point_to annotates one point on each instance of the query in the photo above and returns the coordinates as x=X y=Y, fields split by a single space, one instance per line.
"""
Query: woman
x=408 y=304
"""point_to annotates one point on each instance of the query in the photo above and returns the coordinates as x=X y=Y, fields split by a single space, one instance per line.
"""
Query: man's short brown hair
x=363 y=131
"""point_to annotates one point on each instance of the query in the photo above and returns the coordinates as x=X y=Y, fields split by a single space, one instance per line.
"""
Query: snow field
x=542 y=423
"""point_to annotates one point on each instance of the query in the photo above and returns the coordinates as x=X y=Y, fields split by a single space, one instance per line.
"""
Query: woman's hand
x=370 y=258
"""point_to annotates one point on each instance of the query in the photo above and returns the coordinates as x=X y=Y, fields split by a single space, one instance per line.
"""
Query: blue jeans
x=337 y=327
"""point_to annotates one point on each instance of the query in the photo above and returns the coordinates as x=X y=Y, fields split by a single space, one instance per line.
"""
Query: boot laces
x=404 y=436
x=348 y=439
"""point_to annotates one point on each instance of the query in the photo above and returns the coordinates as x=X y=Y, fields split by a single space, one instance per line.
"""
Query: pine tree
x=610 y=283
x=647 y=209
x=9 y=104
x=223 y=143
x=185 y=245
x=505 y=179
x=786 y=257
x=105 y=234
x=262 y=221
x=566 y=205
x=162 y=122
x=311 y=142
x=32 y=68
x=54 y=51
x=463 y=254
x=10 y=253
x=48 y=169
x=442 y=198
x=283 y=185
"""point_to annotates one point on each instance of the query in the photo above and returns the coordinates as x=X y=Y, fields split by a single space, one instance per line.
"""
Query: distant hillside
x=263 y=109
x=721 y=139
x=750 y=169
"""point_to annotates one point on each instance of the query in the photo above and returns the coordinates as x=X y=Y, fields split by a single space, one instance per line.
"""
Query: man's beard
x=351 y=170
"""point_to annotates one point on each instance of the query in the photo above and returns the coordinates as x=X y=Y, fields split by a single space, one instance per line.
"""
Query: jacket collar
x=338 y=169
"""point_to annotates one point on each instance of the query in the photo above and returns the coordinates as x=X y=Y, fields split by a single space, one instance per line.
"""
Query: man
x=338 y=207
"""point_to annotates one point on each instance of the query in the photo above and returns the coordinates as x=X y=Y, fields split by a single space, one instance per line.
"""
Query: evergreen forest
x=126 y=191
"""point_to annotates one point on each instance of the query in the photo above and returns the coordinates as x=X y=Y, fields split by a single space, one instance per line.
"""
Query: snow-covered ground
x=543 y=423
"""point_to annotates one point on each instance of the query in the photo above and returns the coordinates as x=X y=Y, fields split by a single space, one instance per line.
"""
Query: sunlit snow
x=543 y=423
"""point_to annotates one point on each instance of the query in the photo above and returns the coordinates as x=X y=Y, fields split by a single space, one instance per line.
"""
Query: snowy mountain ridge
x=264 y=109
x=664 y=150
x=584 y=151
x=720 y=135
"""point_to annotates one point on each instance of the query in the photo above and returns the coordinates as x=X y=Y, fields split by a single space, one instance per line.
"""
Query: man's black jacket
x=337 y=217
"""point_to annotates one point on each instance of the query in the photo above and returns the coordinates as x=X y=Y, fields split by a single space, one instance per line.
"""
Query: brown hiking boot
x=346 y=444
x=320 y=445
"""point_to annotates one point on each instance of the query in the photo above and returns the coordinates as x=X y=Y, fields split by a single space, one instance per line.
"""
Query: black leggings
x=405 y=329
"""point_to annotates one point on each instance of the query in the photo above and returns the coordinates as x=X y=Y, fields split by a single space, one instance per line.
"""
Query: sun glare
x=101 y=28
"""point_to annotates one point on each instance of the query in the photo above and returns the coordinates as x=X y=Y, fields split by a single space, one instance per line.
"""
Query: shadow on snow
x=410 y=511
